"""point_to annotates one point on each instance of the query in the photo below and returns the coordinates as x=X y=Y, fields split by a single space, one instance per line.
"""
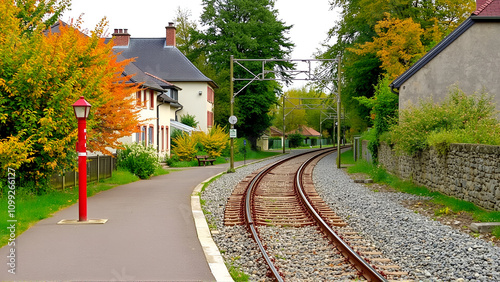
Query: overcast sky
x=311 y=19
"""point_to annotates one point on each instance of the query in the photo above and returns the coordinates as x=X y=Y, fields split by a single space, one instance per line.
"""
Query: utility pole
x=231 y=166
x=338 y=111
x=284 y=135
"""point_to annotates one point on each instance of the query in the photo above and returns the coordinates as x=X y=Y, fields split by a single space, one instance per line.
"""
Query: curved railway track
x=283 y=194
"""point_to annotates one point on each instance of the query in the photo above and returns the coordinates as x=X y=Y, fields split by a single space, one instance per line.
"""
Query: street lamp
x=82 y=110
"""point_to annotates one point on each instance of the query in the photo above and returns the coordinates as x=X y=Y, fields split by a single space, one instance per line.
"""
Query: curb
x=212 y=253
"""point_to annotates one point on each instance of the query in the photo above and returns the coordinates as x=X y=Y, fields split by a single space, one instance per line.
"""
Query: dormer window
x=173 y=93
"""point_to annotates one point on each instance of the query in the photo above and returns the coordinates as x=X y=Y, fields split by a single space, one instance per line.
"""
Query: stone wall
x=469 y=172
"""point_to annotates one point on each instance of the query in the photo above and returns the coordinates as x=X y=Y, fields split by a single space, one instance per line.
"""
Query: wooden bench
x=204 y=160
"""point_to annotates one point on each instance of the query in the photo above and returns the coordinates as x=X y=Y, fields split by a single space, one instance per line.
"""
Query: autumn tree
x=398 y=45
x=244 y=29
x=42 y=73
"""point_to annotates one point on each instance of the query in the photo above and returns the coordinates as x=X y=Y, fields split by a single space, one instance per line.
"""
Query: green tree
x=244 y=29
x=189 y=120
x=185 y=27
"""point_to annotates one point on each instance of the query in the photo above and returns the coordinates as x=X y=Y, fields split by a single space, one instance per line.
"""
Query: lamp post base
x=76 y=221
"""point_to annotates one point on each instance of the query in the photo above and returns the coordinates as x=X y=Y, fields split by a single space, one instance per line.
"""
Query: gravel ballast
x=426 y=249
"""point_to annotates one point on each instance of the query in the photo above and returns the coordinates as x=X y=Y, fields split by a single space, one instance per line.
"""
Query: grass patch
x=160 y=171
x=451 y=204
x=347 y=157
x=30 y=208
x=237 y=274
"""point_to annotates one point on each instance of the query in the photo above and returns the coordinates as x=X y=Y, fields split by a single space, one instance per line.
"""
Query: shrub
x=215 y=141
x=384 y=105
x=185 y=147
x=175 y=133
x=459 y=119
x=189 y=120
x=138 y=159
x=295 y=139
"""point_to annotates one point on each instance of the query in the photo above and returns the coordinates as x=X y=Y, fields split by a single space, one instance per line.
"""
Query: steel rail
x=366 y=270
x=249 y=211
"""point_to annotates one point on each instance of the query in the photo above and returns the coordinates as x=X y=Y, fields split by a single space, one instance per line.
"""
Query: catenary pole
x=231 y=94
x=338 y=112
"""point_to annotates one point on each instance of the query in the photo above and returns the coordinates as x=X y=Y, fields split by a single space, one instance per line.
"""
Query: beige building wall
x=472 y=62
x=193 y=97
x=160 y=128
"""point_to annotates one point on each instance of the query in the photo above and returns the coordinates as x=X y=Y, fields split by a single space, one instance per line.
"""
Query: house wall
x=471 y=62
x=193 y=103
x=470 y=172
x=148 y=115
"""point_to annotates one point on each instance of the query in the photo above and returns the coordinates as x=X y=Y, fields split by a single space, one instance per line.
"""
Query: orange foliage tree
x=42 y=73
x=398 y=45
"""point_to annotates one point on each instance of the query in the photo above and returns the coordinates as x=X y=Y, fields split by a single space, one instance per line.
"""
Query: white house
x=172 y=86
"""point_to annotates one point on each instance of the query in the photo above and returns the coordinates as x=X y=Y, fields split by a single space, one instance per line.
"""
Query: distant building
x=469 y=57
x=305 y=131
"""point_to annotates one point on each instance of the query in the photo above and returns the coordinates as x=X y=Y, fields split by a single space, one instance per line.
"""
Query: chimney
x=170 y=38
x=121 y=37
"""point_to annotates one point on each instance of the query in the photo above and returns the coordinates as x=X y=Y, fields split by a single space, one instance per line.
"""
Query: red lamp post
x=82 y=110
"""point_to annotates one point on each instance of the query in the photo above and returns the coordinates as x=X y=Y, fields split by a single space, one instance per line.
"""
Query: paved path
x=150 y=235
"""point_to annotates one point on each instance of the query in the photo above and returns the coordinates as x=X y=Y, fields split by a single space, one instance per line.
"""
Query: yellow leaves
x=185 y=147
x=215 y=141
x=14 y=152
x=398 y=44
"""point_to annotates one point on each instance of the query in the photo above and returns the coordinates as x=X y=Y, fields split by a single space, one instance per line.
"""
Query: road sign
x=233 y=119
x=232 y=133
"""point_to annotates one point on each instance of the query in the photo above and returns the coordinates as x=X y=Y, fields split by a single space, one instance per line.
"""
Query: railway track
x=283 y=195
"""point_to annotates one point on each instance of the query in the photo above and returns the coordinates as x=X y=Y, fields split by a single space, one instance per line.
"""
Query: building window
x=150 y=135
x=166 y=137
x=143 y=134
x=162 y=138
x=138 y=135
x=152 y=99
x=210 y=95
x=210 y=119
x=138 y=98
x=173 y=93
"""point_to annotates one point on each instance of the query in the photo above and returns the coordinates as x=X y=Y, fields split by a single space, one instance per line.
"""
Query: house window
x=174 y=94
x=166 y=138
x=162 y=138
x=210 y=95
x=144 y=99
x=138 y=135
x=138 y=98
x=152 y=99
x=143 y=134
x=150 y=135
x=210 y=119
